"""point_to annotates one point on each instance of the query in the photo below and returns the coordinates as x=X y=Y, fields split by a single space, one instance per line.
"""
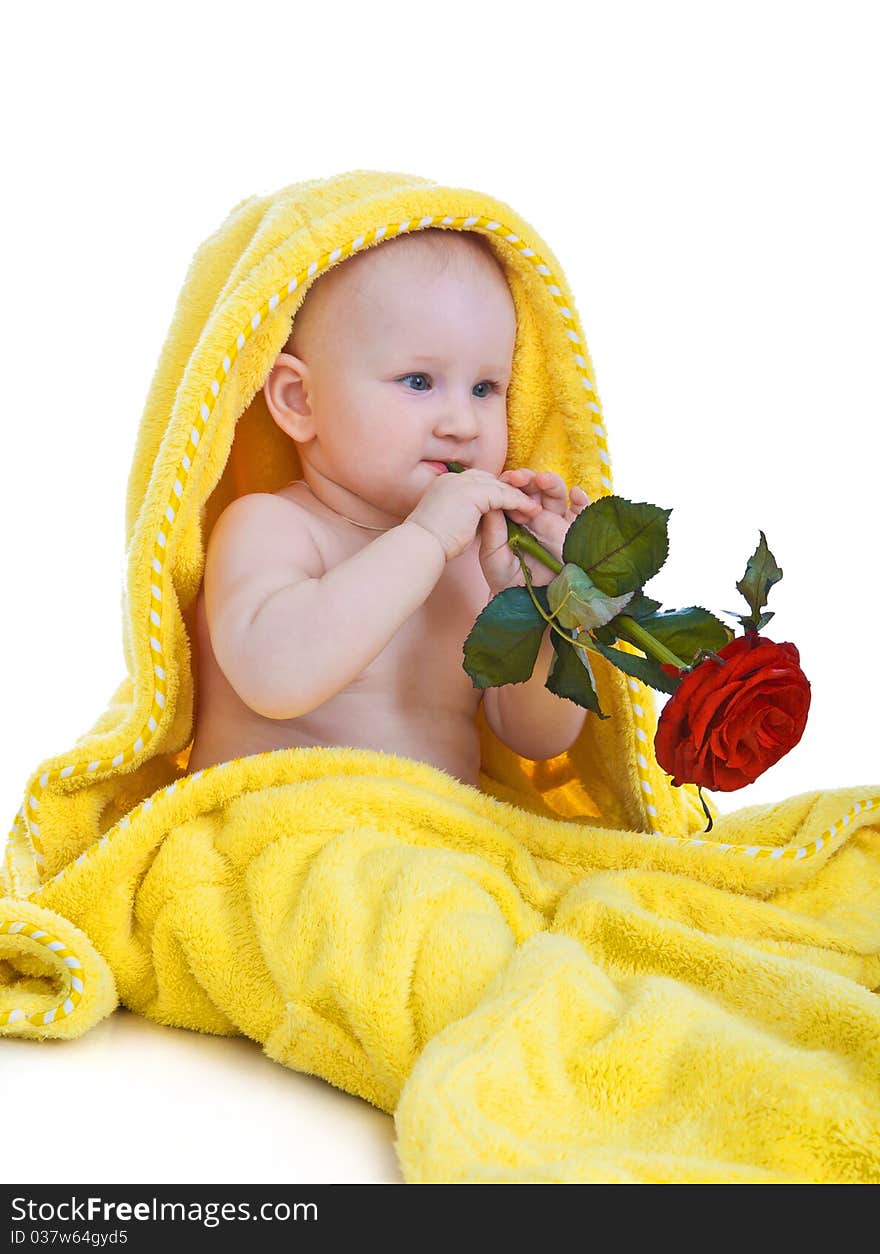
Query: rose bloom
x=726 y=724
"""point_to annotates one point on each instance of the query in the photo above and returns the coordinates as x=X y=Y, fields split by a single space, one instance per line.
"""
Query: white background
x=706 y=175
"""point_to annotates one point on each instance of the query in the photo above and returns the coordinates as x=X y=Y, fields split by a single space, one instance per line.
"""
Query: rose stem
x=635 y=634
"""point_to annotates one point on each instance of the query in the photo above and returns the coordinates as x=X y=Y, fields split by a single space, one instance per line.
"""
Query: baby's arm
x=286 y=640
x=529 y=718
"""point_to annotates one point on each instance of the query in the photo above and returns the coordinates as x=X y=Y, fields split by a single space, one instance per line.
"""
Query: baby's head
x=400 y=355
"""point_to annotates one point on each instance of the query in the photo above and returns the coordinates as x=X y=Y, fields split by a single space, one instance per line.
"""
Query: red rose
x=727 y=723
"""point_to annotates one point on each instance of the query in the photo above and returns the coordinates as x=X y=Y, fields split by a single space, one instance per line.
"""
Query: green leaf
x=761 y=574
x=685 y=631
x=504 y=642
x=620 y=544
x=644 y=668
x=571 y=676
x=576 y=601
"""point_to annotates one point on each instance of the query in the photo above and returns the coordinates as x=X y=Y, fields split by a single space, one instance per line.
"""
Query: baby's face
x=403 y=361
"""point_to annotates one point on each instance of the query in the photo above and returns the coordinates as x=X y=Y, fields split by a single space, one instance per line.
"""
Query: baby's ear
x=287 y=396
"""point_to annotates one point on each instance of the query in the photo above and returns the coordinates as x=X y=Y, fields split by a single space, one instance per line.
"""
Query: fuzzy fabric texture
x=557 y=976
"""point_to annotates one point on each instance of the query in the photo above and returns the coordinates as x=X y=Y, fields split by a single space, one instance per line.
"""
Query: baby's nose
x=460 y=417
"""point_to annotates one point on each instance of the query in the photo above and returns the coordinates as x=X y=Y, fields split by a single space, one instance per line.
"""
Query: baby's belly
x=446 y=739
x=451 y=743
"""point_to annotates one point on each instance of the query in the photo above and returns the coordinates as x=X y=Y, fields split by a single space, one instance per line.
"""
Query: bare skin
x=415 y=699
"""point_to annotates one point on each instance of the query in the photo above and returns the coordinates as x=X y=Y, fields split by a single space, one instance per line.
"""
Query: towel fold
x=533 y=998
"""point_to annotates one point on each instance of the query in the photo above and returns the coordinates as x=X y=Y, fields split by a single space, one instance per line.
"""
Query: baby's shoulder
x=263 y=530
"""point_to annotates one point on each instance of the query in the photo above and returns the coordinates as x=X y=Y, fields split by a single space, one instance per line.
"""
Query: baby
x=334 y=611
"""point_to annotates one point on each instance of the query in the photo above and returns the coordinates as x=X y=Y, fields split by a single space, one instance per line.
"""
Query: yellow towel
x=557 y=976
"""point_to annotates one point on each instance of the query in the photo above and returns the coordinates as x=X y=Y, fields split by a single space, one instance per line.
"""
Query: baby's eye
x=412 y=376
x=490 y=383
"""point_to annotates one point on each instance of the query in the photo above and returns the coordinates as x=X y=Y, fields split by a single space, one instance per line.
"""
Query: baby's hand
x=558 y=510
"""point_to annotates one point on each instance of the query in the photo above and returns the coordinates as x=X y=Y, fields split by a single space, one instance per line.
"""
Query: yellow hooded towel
x=557 y=976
